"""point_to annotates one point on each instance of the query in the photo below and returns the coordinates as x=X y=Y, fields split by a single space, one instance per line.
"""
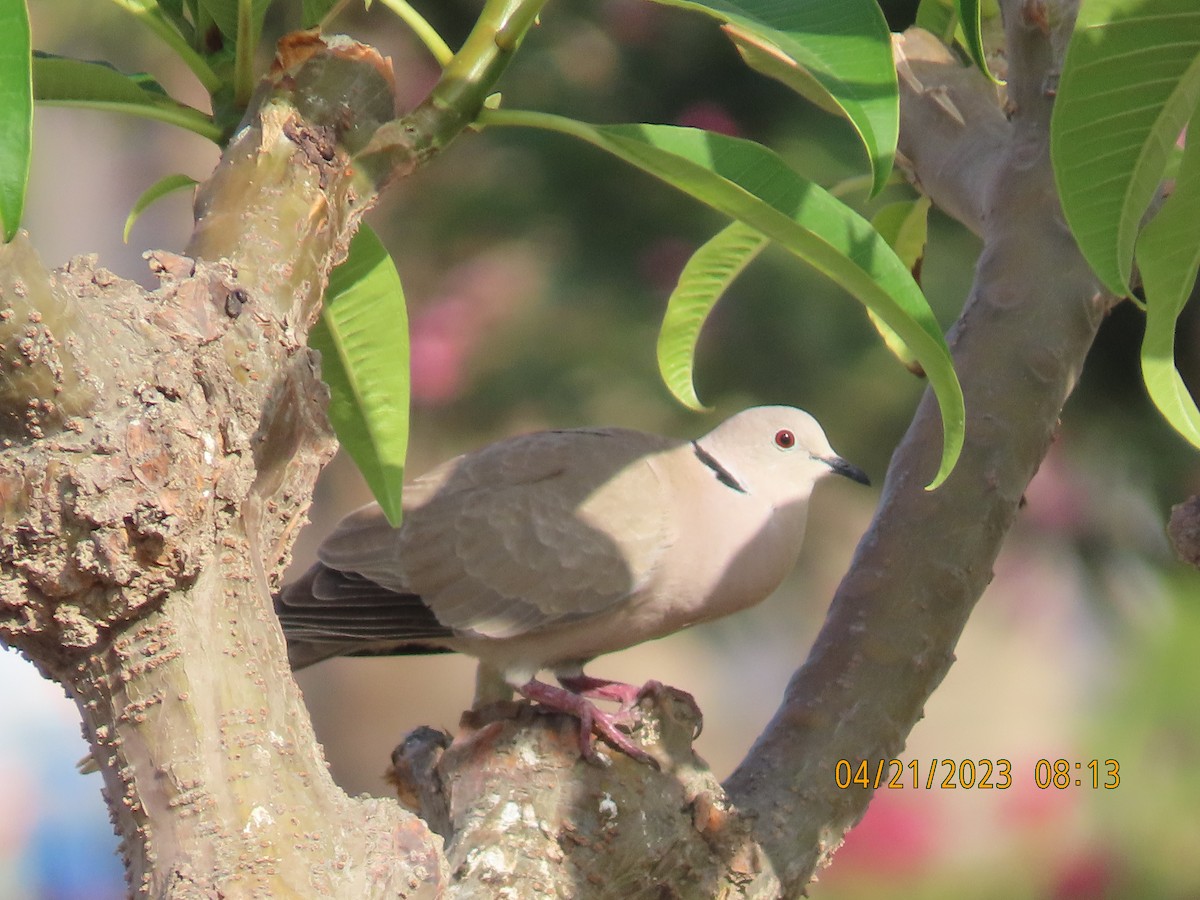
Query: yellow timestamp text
x=973 y=774
x=916 y=774
x=1097 y=774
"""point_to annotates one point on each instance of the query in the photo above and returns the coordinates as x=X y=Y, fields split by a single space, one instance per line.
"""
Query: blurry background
x=537 y=271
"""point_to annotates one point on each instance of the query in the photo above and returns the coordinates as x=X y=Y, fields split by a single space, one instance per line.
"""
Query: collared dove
x=546 y=550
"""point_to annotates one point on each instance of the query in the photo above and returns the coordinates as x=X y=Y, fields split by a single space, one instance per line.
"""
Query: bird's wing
x=330 y=605
x=328 y=613
x=530 y=532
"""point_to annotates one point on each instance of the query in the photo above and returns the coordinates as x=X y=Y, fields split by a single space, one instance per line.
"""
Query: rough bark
x=158 y=457
x=524 y=816
x=149 y=506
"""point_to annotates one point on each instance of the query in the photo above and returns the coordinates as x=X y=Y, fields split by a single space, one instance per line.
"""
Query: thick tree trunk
x=157 y=452
x=149 y=508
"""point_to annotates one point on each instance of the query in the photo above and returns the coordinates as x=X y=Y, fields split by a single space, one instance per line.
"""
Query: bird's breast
x=723 y=564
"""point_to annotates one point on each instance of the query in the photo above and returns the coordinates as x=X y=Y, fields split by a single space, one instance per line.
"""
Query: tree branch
x=524 y=816
x=141 y=546
x=927 y=557
x=47 y=374
x=458 y=96
x=953 y=133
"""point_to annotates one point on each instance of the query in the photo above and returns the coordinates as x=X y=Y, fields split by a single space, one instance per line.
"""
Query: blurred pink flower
x=475 y=297
x=1029 y=807
x=895 y=837
x=1057 y=498
x=1087 y=875
x=711 y=117
x=438 y=358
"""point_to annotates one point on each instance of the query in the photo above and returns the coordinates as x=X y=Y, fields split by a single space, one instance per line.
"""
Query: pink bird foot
x=590 y=719
x=629 y=695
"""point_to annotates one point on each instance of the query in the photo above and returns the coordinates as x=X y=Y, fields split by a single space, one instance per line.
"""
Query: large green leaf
x=1130 y=81
x=837 y=53
x=746 y=181
x=74 y=82
x=905 y=226
x=707 y=276
x=363 y=340
x=16 y=113
x=1168 y=252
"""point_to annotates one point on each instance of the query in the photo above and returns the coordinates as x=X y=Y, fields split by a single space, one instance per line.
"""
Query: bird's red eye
x=785 y=439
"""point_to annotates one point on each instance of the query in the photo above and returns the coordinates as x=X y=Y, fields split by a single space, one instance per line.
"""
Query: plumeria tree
x=158 y=448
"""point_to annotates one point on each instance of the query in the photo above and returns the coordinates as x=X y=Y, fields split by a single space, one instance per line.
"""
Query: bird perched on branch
x=544 y=551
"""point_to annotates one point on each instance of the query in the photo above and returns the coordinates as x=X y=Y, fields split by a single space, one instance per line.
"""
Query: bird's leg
x=627 y=695
x=590 y=719
x=602 y=689
x=490 y=686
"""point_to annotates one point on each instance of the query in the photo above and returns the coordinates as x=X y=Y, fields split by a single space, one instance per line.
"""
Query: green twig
x=152 y=17
x=422 y=29
x=243 y=66
x=471 y=75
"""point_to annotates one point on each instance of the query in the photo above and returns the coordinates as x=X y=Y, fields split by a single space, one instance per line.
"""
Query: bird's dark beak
x=848 y=469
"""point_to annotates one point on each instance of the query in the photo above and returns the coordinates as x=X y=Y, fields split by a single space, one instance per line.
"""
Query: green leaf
x=1130 y=80
x=363 y=340
x=174 y=12
x=166 y=19
x=837 y=53
x=707 y=276
x=960 y=22
x=1168 y=252
x=313 y=11
x=240 y=21
x=746 y=181
x=904 y=225
x=16 y=113
x=970 y=17
x=74 y=82
x=939 y=18
x=225 y=14
x=1171 y=171
x=156 y=191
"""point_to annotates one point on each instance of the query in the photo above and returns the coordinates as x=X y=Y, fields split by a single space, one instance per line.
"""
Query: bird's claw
x=591 y=720
x=629 y=696
x=605 y=724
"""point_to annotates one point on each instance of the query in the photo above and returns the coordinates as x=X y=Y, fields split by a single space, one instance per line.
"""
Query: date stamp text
x=974 y=774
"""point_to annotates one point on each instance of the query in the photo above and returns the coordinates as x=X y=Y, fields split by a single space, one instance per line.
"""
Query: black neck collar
x=723 y=474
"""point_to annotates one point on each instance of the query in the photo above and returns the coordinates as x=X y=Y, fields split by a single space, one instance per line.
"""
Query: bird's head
x=777 y=452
